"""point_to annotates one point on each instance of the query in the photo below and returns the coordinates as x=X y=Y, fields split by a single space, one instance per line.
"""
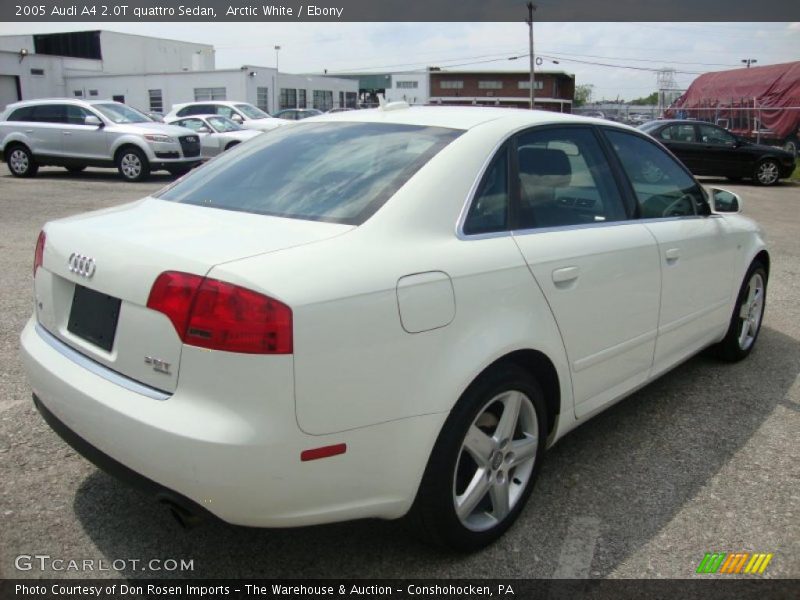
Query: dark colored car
x=707 y=149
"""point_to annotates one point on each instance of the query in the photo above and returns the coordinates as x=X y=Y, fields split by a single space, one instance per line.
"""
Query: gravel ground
x=704 y=459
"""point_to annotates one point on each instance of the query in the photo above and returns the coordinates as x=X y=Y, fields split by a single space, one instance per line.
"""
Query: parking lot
x=705 y=459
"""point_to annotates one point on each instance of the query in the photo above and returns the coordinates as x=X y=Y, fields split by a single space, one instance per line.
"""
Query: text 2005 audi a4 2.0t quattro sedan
x=384 y=312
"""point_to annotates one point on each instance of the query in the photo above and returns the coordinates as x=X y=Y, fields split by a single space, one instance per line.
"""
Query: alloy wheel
x=131 y=166
x=496 y=461
x=767 y=173
x=18 y=161
x=751 y=312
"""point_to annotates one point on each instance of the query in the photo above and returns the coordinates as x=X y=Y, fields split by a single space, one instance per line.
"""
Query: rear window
x=334 y=172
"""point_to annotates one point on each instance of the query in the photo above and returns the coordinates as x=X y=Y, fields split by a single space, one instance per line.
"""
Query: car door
x=80 y=140
x=697 y=250
x=722 y=149
x=597 y=267
x=681 y=139
x=45 y=130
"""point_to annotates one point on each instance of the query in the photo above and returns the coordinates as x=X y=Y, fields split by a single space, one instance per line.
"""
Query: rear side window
x=663 y=188
x=489 y=210
x=197 y=109
x=565 y=179
x=50 y=113
x=335 y=172
x=22 y=114
x=678 y=133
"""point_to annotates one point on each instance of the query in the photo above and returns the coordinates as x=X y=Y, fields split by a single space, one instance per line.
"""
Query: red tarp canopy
x=772 y=86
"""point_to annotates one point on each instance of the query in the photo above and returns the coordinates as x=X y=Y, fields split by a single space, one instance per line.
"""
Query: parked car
x=707 y=149
x=79 y=133
x=274 y=338
x=247 y=115
x=217 y=133
x=595 y=114
x=339 y=109
x=297 y=114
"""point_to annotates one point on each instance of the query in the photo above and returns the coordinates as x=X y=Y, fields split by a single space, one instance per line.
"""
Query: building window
x=526 y=85
x=351 y=98
x=301 y=99
x=156 y=101
x=93 y=92
x=323 y=99
x=452 y=84
x=209 y=93
x=408 y=85
x=262 y=98
x=341 y=99
x=490 y=85
x=78 y=93
x=288 y=98
x=37 y=71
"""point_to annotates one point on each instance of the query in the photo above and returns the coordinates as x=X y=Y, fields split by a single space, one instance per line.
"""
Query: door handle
x=566 y=274
x=672 y=254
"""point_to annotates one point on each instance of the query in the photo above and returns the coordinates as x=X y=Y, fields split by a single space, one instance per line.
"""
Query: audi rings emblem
x=81 y=265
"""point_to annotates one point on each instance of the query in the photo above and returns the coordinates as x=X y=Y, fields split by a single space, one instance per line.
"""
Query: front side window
x=250 y=111
x=193 y=124
x=223 y=124
x=678 y=133
x=663 y=188
x=119 y=113
x=565 y=179
x=336 y=172
x=76 y=115
x=716 y=136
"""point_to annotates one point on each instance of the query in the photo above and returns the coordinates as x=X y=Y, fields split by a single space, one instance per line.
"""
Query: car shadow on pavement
x=95 y=175
x=630 y=470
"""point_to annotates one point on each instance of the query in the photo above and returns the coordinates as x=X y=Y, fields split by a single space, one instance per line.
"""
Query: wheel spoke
x=475 y=492
x=508 y=420
x=524 y=449
x=500 y=502
x=479 y=445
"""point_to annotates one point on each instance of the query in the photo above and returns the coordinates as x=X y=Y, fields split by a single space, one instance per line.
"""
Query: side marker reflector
x=323 y=452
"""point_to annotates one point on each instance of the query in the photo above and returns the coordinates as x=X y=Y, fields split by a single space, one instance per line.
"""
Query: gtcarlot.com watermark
x=45 y=562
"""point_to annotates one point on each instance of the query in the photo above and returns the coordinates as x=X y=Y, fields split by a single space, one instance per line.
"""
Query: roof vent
x=400 y=105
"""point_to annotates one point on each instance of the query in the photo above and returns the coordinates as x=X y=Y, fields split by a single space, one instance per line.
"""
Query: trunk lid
x=131 y=246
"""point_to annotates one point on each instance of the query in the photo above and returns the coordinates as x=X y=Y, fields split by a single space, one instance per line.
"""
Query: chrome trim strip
x=607 y=353
x=98 y=369
x=686 y=319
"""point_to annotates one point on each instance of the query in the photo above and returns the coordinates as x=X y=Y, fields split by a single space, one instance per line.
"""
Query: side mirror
x=237 y=118
x=725 y=202
x=93 y=121
x=203 y=130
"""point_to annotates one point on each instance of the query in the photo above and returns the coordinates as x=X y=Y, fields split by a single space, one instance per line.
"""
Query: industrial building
x=151 y=74
x=555 y=90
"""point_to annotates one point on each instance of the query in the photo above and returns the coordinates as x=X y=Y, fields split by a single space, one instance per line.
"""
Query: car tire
x=476 y=453
x=748 y=314
x=767 y=172
x=132 y=164
x=76 y=169
x=20 y=161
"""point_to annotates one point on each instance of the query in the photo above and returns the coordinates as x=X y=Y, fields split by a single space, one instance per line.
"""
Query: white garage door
x=8 y=90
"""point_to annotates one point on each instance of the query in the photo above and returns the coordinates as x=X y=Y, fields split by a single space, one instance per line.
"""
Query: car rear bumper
x=227 y=441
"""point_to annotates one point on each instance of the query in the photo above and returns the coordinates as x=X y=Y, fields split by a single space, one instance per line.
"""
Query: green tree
x=647 y=100
x=583 y=94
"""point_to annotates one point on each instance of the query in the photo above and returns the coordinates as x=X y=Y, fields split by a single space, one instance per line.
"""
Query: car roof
x=457 y=117
x=77 y=101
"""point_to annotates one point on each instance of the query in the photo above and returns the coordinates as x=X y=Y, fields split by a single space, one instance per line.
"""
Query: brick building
x=555 y=90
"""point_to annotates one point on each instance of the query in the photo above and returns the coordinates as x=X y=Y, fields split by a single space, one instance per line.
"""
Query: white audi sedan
x=384 y=313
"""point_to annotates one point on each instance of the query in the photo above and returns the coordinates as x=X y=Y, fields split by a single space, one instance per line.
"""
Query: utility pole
x=531 y=8
x=749 y=61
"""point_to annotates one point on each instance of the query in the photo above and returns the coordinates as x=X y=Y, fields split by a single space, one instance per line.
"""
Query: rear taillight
x=222 y=316
x=38 y=255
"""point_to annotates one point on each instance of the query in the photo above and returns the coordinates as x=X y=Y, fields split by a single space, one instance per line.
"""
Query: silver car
x=77 y=134
x=217 y=133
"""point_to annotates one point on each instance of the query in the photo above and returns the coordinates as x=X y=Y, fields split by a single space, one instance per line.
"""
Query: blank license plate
x=94 y=317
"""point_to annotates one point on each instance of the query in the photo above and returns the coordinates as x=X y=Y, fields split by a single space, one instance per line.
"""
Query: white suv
x=76 y=134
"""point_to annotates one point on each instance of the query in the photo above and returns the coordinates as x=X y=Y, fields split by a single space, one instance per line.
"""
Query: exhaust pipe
x=185 y=518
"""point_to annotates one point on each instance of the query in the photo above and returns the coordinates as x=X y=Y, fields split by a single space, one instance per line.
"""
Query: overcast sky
x=690 y=48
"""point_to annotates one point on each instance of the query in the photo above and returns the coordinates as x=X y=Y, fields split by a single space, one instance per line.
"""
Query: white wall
x=15 y=43
x=48 y=85
x=124 y=53
x=418 y=95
